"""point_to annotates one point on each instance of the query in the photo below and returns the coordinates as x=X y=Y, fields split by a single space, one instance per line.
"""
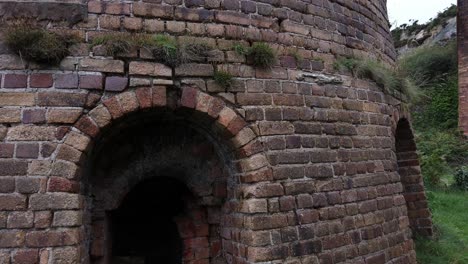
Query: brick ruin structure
x=462 y=31
x=121 y=159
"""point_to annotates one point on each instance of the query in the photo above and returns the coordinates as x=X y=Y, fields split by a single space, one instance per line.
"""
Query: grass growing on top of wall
x=391 y=81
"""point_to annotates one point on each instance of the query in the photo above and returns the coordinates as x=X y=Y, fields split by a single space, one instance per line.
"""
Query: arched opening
x=144 y=228
x=156 y=189
x=411 y=178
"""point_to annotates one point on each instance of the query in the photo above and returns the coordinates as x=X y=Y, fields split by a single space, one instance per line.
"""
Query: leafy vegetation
x=443 y=151
x=37 y=44
x=461 y=178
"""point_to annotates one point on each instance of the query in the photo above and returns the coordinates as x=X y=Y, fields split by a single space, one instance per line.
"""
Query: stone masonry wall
x=463 y=65
x=313 y=166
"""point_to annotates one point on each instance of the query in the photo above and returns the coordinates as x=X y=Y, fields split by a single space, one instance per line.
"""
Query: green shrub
x=461 y=178
x=438 y=108
x=223 y=79
x=36 y=44
x=429 y=65
x=441 y=152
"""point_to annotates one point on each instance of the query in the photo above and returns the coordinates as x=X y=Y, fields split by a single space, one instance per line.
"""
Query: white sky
x=402 y=11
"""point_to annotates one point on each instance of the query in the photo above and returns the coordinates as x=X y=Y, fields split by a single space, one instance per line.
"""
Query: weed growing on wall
x=223 y=78
x=37 y=44
x=260 y=54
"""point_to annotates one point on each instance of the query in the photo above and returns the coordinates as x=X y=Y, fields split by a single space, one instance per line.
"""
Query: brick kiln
x=123 y=159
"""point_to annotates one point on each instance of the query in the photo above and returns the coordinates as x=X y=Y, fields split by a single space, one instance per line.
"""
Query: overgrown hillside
x=441 y=29
x=443 y=149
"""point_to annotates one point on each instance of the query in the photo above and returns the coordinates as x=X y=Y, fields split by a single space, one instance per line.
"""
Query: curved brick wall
x=305 y=165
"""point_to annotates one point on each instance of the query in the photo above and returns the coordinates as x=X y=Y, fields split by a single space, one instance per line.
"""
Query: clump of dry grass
x=37 y=44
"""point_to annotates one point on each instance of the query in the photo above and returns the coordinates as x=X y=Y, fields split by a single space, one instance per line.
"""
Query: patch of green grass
x=450 y=243
x=223 y=79
x=37 y=44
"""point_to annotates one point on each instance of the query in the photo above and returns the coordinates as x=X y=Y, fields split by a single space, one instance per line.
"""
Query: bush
x=37 y=44
x=461 y=178
x=441 y=151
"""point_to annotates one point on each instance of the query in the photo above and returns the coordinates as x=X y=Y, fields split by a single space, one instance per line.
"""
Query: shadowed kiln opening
x=144 y=229
x=411 y=179
x=156 y=196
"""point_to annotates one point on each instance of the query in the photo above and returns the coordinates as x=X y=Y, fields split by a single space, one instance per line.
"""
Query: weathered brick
x=191 y=69
x=15 y=81
x=102 y=65
x=52 y=238
x=17 y=99
x=63 y=115
x=116 y=83
x=67 y=218
x=61 y=99
x=20 y=220
x=66 y=81
x=54 y=201
x=86 y=125
x=31 y=133
x=13 y=167
x=10 y=115
x=94 y=81
x=33 y=116
x=27 y=150
x=153 y=10
x=12 y=202
x=41 y=80
x=11 y=239
x=28 y=185
x=149 y=68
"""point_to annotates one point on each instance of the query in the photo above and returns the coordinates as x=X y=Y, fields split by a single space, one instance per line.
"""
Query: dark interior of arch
x=411 y=178
x=143 y=227
x=156 y=185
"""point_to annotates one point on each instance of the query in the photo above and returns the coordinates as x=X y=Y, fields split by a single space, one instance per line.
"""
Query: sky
x=401 y=11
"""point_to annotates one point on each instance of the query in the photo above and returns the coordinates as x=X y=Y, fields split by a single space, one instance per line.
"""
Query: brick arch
x=411 y=178
x=71 y=157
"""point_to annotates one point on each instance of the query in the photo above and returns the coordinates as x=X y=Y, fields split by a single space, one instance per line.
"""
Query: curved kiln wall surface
x=306 y=165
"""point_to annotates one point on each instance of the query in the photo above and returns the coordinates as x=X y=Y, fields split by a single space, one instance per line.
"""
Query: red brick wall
x=463 y=64
x=312 y=166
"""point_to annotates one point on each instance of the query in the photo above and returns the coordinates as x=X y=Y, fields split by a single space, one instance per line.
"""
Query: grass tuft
x=262 y=55
x=223 y=79
x=393 y=82
x=36 y=44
